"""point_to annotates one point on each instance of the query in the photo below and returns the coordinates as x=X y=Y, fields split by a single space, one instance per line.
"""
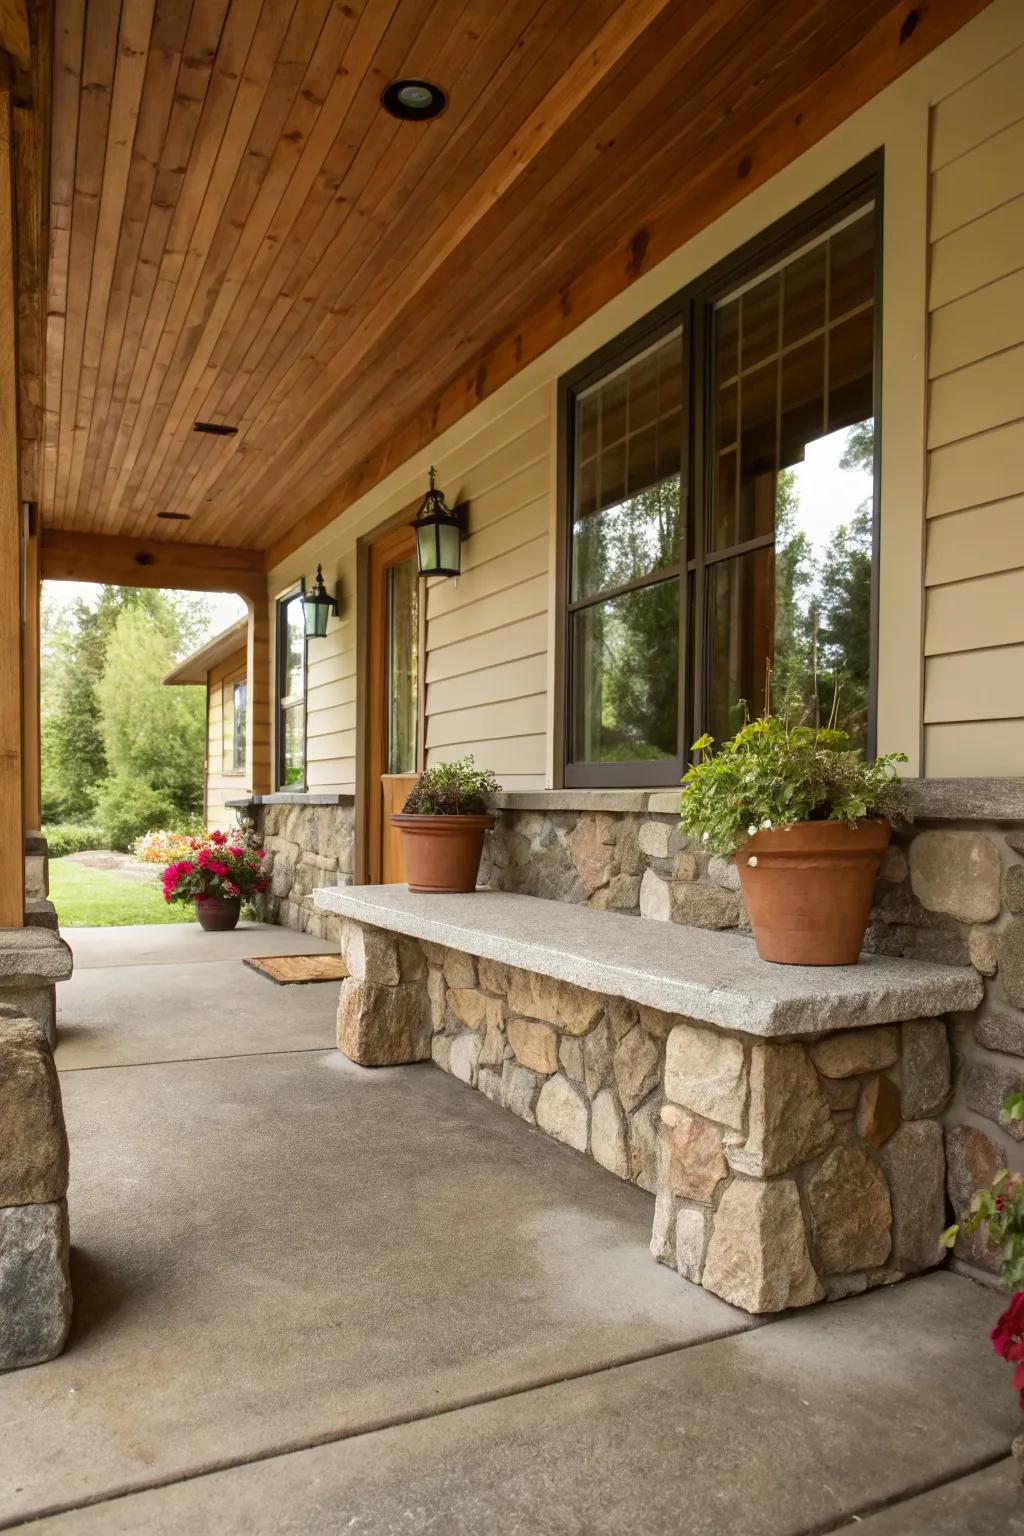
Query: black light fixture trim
x=175 y=517
x=413 y=101
x=440 y=530
x=317 y=607
x=215 y=429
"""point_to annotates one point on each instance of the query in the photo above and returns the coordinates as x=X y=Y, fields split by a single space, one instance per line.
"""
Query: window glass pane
x=238 y=730
x=741 y=598
x=403 y=666
x=293 y=672
x=759 y=323
x=823 y=582
x=292 y=745
x=803 y=288
x=852 y=263
x=626 y=491
x=626 y=676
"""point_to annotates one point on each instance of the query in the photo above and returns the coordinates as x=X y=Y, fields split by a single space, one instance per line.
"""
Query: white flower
x=766 y=826
x=752 y=861
x=705 y=837
x=751 y=830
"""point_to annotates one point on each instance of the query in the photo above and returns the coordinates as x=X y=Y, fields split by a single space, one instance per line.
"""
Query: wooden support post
x=258 y=772
x=30 y=673
x=12 y=815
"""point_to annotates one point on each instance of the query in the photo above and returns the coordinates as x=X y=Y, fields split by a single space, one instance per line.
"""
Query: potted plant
x=443 y=823
x=807 y=821
x=217 y=877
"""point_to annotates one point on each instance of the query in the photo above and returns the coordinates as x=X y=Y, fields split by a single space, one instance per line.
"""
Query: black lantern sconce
x=318 y=606
x=439 y=534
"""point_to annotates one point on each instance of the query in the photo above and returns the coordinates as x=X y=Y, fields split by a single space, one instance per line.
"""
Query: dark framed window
x=291 y=690
x=718 y=502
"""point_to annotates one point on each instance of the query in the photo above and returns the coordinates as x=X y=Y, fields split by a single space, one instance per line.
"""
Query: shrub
x=66 y=837
x=126 y=810
x=772 y=774
x=452 y=789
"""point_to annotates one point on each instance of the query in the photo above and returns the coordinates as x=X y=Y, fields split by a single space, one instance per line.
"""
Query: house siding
x=951 y=568
x=221 y=785
x=974 y=571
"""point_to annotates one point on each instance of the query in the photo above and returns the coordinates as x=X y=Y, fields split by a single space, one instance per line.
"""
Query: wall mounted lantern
x=318 y=606
x=439 y=534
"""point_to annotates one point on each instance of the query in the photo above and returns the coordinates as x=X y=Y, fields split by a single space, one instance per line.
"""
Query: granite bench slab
x=715 y=978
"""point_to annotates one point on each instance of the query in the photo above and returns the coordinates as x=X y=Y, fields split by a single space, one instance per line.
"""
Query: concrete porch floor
x=310 y=1297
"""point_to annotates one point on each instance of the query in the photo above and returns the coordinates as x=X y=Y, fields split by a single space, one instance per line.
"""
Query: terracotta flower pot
x=442 y=853
x=809 y=890
x=218 y=914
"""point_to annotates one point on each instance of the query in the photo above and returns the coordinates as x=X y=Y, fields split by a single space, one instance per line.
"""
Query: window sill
x=288 y=797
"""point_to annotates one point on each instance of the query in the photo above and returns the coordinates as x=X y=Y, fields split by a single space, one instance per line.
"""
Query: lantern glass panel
x=449 y=537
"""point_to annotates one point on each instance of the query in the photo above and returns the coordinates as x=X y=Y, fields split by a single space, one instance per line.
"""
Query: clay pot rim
x=822 y=834
x=421 y=822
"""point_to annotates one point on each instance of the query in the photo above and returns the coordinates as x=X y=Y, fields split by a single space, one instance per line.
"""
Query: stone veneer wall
x=948 y=891
x=308 y=845
x=786 y=1172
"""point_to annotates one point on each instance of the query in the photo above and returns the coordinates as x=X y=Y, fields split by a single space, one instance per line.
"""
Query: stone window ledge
x=930 y=799
x=713 y=977
x=285 y=797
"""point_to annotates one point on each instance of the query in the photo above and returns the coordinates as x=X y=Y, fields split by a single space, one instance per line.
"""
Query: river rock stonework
x=308 y=846
x=950 y=892
x=774 y=1188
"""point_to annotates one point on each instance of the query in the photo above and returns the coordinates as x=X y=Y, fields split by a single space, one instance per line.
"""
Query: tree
x=152 y=734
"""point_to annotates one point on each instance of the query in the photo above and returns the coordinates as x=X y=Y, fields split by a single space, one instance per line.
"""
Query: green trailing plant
x=1000 y=1210
x=452 y=789
x=772 y=774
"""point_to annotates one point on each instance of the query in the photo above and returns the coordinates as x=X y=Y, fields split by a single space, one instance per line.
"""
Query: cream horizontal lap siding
x=974 y=574
x=222 y=784
x=489 y=667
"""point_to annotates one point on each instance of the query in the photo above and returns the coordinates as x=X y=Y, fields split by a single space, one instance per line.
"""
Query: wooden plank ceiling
x=240 y=234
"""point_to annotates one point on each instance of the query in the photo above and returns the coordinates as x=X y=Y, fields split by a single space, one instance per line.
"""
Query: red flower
x=235 y=851
x=261 y=853
x=1008 y=1334
x=230 y=888
x=218 y=838
x=215 y=867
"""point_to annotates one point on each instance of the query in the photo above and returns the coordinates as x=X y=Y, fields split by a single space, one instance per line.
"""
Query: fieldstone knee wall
x=785 y=1172
x=950 y=891
x=308 y=846
x=35 y=1289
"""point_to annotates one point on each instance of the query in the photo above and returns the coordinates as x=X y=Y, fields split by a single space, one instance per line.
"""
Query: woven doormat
x=286 y=970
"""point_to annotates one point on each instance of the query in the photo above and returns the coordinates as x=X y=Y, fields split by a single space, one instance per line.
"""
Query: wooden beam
x=14 y=36
x=12 y=815
x=125 y=562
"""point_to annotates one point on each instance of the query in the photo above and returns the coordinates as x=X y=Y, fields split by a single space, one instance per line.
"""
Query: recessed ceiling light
x=175 y=517
x=216 y=428
x=413 y=100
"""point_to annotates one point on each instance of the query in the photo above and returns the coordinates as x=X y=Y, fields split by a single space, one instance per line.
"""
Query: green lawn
x=103 y=898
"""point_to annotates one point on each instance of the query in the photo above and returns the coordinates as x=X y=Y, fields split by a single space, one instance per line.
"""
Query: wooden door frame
x=376 y=554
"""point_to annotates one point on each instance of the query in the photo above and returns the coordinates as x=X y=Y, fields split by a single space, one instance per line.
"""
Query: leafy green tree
x=152 y=735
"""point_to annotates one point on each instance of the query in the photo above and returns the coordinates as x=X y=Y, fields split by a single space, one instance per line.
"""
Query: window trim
x=297 y=589
x=690 y=308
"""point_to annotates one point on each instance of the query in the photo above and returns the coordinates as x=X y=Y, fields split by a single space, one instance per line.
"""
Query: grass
x=103 y=898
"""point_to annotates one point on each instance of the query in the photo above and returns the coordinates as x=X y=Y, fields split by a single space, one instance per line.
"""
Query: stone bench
x=786 y=1118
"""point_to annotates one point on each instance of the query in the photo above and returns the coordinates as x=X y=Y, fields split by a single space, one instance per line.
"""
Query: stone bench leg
x=384 y=1013
x=793 y=1172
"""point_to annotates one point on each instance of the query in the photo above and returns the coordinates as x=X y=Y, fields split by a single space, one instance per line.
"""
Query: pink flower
x=235 y=851
x=215 y=867
x=261 y=853
x=1008 y=1334
x=230 y=888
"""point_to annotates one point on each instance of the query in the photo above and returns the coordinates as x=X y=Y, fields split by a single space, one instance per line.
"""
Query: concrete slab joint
x=787 y=1170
